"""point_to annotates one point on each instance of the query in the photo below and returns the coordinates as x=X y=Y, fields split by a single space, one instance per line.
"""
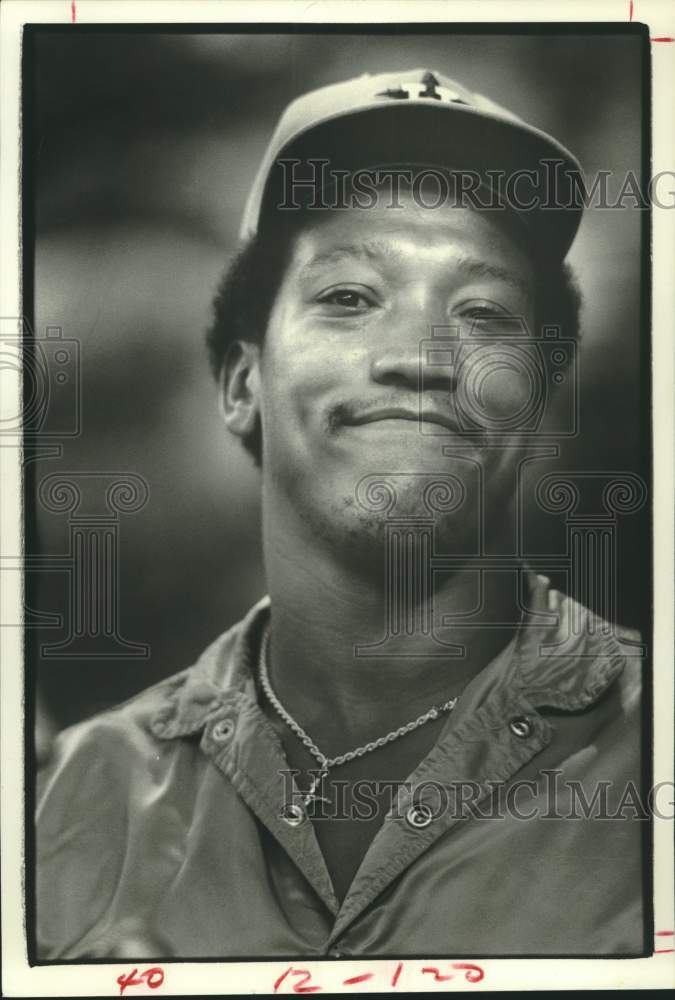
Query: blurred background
x=143 y=146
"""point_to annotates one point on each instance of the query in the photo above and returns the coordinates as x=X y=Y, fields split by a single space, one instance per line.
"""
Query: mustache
x=432 y=407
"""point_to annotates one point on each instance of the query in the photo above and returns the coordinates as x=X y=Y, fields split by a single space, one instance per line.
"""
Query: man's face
x=341 y=395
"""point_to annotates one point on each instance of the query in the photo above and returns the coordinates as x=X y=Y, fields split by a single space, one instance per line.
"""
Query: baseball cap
x=421 y=117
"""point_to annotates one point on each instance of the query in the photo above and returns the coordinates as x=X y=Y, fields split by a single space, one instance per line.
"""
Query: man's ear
x=240 y=387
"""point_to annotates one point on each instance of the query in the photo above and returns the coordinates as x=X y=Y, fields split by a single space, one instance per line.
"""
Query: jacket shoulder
x=113 y=739
x=102 y=779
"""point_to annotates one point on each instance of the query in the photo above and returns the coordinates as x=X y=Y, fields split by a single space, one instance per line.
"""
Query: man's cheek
x=499 y=388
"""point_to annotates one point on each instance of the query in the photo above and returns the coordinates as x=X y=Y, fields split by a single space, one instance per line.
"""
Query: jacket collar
x=563 y=656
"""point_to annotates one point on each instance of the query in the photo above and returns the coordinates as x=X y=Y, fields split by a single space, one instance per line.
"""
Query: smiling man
x=403 y=748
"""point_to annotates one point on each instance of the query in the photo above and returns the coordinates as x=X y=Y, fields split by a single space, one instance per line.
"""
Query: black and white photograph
x=338 y=474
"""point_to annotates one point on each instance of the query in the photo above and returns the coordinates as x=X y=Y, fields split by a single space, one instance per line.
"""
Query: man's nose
x=402 y=359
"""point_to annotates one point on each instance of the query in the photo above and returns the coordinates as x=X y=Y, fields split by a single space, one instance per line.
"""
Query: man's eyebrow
x=370 y=250
x=473 y=267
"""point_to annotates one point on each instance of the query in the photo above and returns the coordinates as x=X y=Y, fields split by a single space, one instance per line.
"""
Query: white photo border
x=244 y=977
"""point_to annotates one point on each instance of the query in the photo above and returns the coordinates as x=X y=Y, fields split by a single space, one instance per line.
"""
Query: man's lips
x=396 y=413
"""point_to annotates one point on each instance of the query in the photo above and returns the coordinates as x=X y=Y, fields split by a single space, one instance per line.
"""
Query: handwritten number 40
x=149 y=977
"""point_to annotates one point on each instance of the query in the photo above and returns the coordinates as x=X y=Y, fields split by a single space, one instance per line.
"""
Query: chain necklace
x=327 y=763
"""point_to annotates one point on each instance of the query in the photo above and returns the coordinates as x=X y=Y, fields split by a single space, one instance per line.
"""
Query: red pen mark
x=664 y=951
x=438 y=978
x=357 y=979
x=630 y=12
x=664 y=39
x=73 y=11
x=153 y=978
x=128 y=980
x=281 y=978
x=394 y=978
x=300 y=986
x=472 y=973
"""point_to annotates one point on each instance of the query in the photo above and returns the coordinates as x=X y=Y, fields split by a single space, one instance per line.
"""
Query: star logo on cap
x=430 y=83
x=431 y=89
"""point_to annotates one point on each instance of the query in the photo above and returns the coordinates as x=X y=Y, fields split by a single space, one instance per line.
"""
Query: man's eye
x=347 y=299
x=492 y=319
x=480 y=312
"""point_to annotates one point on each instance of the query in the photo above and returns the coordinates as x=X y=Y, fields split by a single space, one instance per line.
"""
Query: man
x=384 y=757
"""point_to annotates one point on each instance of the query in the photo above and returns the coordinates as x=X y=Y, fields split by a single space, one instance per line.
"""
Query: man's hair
x=245 y=296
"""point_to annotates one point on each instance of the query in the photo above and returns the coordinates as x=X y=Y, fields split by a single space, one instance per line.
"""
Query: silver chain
x=327 y=763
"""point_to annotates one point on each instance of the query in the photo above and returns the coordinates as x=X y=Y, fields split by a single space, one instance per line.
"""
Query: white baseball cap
x=422 y=117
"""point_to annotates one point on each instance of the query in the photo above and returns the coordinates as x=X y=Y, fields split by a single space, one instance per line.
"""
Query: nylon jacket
x=161 y=829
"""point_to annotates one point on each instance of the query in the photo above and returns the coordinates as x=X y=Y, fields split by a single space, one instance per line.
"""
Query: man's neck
x=324 y=609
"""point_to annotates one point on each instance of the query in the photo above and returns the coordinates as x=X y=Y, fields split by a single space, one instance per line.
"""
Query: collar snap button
x=521 y=727
x=223 y=731
x=419 y=816
x=292 y=814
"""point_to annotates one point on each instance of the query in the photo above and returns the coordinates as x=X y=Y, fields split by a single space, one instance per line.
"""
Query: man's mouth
x=427 y=416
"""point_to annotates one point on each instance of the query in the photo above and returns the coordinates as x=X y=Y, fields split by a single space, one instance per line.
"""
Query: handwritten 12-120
x=296 y=980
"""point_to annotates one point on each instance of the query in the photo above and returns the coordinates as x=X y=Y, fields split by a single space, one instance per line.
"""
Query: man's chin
x=360 y=523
